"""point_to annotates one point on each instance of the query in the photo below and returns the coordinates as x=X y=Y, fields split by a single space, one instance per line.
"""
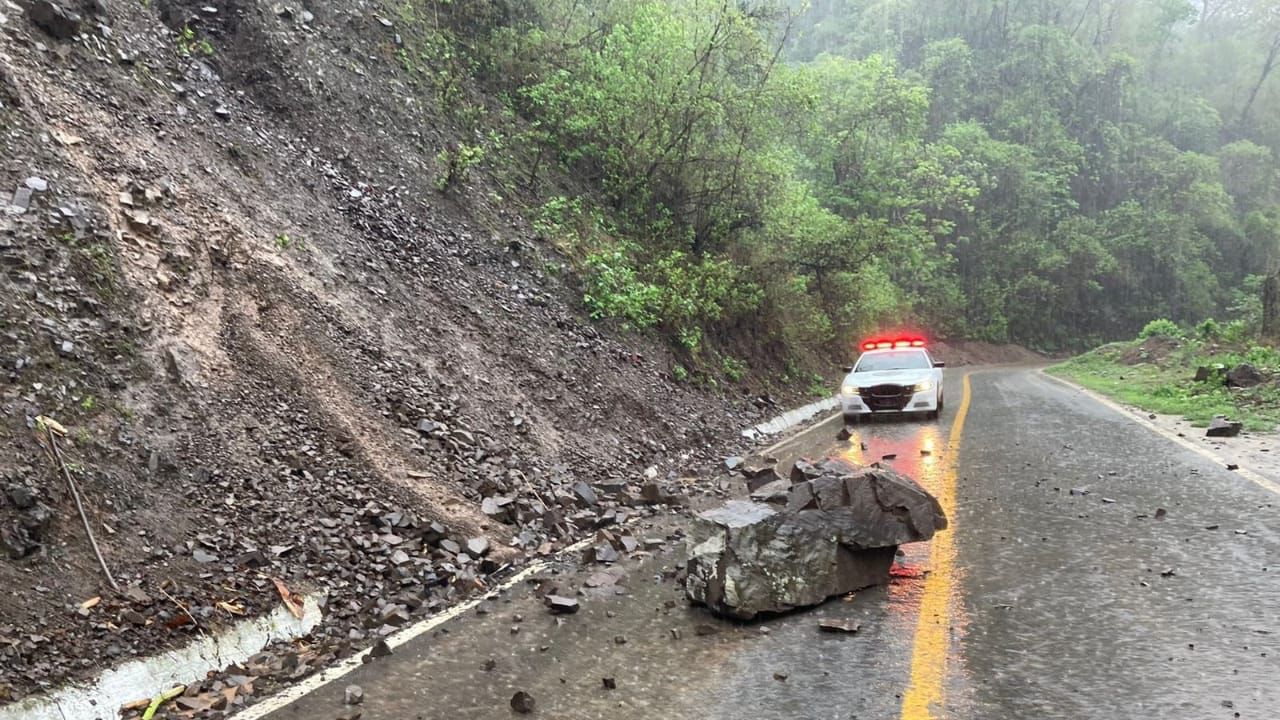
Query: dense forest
x=1047 y=172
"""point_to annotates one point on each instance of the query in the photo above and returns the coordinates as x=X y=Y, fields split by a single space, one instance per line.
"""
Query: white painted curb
x=791 y=418
x=148 y=677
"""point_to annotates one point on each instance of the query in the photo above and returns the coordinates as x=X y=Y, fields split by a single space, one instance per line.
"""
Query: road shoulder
x=1249 y=454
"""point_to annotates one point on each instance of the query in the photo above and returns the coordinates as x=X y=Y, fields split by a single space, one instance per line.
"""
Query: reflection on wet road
x=1036 y=603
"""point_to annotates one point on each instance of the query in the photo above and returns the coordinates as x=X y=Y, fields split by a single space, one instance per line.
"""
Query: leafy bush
x=733 y=368
x=456 y=164
x=1237 y=331
x=614 y=289
x=680 y=294
x=1161 y=327
x=189 y=44
x=1209 y=330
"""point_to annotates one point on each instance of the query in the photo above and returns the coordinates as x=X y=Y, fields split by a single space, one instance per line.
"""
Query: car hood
x=896 y=377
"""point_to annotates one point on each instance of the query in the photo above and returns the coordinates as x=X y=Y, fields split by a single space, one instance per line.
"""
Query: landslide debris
x=282 y=357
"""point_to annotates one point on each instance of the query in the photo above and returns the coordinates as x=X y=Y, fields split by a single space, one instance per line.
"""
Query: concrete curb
x=791 y=418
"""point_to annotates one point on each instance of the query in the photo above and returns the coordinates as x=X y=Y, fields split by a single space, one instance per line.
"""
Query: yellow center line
x=923 y=699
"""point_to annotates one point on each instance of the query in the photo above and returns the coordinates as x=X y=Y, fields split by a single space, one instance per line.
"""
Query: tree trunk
x=1267 y=66
x=1271 y=306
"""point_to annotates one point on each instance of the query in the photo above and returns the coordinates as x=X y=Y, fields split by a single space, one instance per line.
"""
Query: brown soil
x=275 y=344
x=971 y=352
x=1155 y=350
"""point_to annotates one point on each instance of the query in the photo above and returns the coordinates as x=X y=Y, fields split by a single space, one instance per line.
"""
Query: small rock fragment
x=1222 y=427
x=522 y=702
x=478 y=546
x=354 y=695
x=844 y=626
x=561 y=605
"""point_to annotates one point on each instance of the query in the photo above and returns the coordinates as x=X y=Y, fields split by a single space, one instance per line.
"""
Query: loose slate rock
x=54 y=19
x=478 y=546
x=561 y=605
x=586 y=496
x=523 y=703
x=1222 y=427
x=838 y=626
x=354 y=695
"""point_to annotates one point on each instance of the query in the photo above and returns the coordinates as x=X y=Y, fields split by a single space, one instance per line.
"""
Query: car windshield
x=894 y=360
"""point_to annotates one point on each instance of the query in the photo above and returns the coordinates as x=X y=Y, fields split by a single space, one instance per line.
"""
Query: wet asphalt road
x=1037 y=603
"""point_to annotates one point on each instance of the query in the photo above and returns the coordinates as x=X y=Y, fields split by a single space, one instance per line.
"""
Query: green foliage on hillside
x=1156 y=373
x=1053 y=173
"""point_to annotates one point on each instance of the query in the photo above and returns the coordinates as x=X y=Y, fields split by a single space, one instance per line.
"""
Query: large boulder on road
x=833 y=533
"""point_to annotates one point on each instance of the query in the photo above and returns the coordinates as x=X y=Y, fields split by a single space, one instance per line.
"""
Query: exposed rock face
x=834 y=532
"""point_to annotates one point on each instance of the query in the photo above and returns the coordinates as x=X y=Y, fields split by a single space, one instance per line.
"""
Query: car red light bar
x=889 y=344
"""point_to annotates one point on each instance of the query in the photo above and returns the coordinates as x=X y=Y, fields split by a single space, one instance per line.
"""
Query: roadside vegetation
x=788 y=176
x=1195 y=373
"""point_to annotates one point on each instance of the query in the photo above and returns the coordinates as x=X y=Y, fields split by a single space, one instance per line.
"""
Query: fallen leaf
x=291 y=601
x=232 y=608
x=179 y=620
x=135 y=705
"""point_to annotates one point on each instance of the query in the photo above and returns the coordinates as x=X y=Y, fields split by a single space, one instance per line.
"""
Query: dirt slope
x=278 y=351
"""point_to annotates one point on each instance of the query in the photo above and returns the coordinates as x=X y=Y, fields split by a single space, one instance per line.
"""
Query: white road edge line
x=1257 y=479
x=296 y=692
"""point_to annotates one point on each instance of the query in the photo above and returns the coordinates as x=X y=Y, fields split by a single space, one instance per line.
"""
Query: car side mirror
x=848 y=368
x=939 y=363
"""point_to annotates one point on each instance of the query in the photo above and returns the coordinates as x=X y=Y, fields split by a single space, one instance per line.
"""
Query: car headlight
x=922 y=386
x=850 y=389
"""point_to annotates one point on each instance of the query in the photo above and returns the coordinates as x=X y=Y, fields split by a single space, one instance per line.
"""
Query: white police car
x=892 y=376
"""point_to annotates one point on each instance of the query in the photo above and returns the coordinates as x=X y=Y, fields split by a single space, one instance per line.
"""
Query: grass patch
x=1162 y=382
